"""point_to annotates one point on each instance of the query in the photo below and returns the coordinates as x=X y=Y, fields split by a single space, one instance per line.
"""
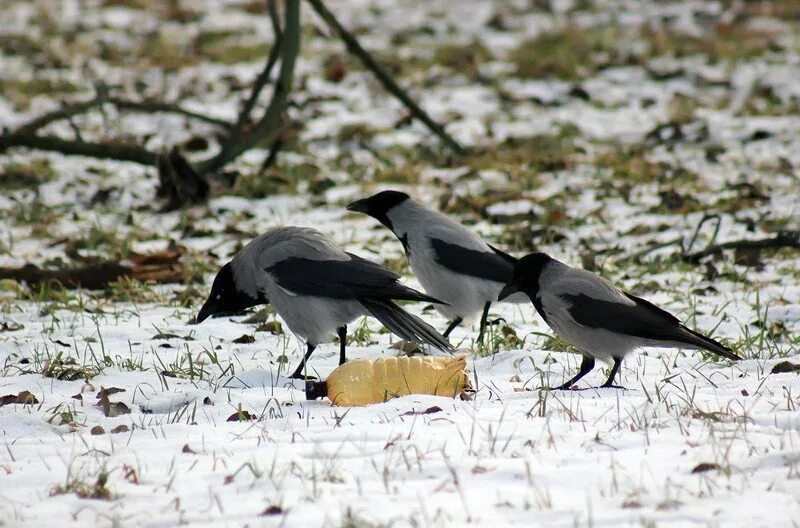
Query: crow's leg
x=483 y=321
x=342 y=333
x=298 y=373
x=454 y=323
x=614 y=369
x=586 y=366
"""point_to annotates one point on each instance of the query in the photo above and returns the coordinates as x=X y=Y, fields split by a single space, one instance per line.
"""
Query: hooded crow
x=317 y=289
x=449 y=260
x=602 y=321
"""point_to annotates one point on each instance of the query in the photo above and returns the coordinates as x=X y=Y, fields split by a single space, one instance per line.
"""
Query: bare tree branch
x=116 y=151
x=263 y=77
x=268 y=127
x=385 y=79
x=781 y=240
x=72 y=110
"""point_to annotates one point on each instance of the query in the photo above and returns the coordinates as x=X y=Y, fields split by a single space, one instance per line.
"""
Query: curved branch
x=263 y=77
x=268 y=127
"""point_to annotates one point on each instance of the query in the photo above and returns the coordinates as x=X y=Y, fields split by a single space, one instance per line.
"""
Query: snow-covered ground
x=677 y=129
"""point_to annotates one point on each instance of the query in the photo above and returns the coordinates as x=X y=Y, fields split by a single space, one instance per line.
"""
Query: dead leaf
x=129 y=474
x=207 y=401
x=241 y=416
x=78 y=397
x=23 y=398
x=244 y=339
x=273 y=327
x=260 y=316
x=407 y=348
x=272 y=510
x=120 y=428
x=785 y=366
x=669 y=504
x=97 y=430
x=112 y=409
x=706 y=466
x=429 y=410
x=106 y=392
x=166 y=336
x=187 y=449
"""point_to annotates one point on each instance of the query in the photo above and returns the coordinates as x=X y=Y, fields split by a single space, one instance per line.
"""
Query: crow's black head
x=379 y=205
x=526 y=275
x=225 y=297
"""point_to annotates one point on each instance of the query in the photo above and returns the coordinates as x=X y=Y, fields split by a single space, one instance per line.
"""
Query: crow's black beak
x=205 y=313
x=359 y=206
x=509 y=289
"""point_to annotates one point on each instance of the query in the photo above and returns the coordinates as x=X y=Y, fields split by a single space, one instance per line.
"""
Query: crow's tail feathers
x=691 y=337
x=404 y=293
x=406 y=325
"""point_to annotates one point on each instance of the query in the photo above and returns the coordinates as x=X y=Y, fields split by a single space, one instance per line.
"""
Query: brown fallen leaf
x=120 y=429
x=407 y=348
x=244 y=340
x=106 y=392
x=785 y=366
x=273 y=327
x=23 y=398
x=97 y=430
x=241 y=416
x=112 y=409
x=207 y=401
x=706 y=466
x=188 y=450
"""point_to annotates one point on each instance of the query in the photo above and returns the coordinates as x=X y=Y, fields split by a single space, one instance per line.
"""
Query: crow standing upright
x=602 y=321
x=317 y=289
x=449 y=260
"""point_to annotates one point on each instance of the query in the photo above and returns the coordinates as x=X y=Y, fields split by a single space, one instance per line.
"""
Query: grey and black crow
x=449 y=260
x=317 y=289
x=602 y=321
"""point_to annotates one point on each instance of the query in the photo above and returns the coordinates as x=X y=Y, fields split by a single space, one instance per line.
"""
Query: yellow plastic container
x=365 y=381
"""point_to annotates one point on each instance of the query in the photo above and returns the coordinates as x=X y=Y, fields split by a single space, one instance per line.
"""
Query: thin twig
x=781 y=240
x=72 y=110
x=385 y=79
x=706 y=218
x=649 y=249
x=263 y=77
x=168 y=108
x=65 y=112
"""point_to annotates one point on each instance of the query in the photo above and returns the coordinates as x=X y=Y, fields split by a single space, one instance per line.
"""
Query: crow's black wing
x=494 y=266
x=342 y=279
x=642 y=319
